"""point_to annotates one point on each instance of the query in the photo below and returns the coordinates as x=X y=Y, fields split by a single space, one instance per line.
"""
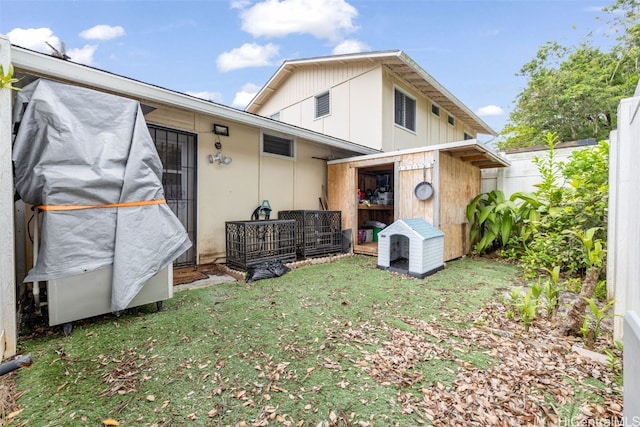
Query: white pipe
x=36 y=247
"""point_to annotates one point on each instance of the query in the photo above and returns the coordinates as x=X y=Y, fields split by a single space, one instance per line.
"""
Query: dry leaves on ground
x=525 y=383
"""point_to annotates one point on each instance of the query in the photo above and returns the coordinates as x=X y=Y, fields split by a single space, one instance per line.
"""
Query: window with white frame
x=435 y=109
x=323 y=105
x=278 y=145
x=405 y=110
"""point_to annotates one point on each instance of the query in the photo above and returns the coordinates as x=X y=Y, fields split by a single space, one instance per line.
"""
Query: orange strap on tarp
x=111 y=205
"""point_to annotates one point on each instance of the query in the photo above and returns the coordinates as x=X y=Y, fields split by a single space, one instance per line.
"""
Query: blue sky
x=226 y=50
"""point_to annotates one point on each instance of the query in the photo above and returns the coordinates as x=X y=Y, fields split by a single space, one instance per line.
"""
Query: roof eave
x=50 y=67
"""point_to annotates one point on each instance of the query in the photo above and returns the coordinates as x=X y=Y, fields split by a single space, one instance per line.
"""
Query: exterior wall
x=8 y=326
x=430 y=129
x=355 y=98
x=307 y=82
x=459 y=184
x=623 y=237
x=362 y=107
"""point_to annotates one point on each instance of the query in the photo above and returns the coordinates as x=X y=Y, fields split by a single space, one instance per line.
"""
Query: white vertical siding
x=623 y=263
x=306 y=82
x=365 y=110
x=8 y=328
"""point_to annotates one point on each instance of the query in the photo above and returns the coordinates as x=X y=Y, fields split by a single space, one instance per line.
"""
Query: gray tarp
x=77 y=146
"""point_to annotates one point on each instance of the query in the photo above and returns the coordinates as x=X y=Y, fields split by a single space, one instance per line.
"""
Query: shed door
x=177 y=151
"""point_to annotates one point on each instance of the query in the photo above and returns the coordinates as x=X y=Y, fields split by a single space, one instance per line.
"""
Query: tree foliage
x=574 y=92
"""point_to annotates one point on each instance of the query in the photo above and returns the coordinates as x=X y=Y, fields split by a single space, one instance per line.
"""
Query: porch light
x=220 y=158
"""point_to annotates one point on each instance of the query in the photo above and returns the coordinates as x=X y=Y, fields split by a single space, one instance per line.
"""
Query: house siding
x=362 y=106
x=355 y=98
x=232 y=192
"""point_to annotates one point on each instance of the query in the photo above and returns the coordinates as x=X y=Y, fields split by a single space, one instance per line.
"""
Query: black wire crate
x=252 y=242
x=317 y=232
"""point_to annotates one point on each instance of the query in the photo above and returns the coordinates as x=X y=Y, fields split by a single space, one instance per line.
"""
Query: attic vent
x=323 y=106
x=278 y=145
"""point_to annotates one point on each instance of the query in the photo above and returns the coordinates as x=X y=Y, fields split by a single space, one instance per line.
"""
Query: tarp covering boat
x=87 y=158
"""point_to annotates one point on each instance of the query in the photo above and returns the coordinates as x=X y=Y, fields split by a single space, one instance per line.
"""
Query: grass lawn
x=335 y=344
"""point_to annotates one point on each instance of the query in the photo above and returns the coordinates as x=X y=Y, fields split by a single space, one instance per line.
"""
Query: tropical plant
x=594 y=256
x=551 y=290
x=598 y=315
x=528 y=309
x=7 y=79
x=492 y=217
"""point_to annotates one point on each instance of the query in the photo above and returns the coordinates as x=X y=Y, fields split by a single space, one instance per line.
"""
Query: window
x=278 y=145
x=451 y=120
x=467 y=136
x=405 y=110
x=435 y=110
x=323 y=105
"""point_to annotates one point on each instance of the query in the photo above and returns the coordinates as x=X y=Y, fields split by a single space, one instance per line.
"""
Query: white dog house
x=411 y=246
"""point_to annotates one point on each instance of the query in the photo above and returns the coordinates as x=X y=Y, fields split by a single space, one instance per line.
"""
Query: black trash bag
x=266 y=270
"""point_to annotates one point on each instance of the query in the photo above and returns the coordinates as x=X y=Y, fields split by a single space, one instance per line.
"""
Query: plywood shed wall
x=459 y=183
x=455 y=181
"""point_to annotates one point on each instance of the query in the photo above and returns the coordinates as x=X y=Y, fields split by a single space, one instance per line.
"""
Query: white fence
x=523 y=174
x=8 y=330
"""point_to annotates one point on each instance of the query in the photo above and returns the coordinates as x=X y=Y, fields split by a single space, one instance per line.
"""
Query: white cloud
x=37 y=39
x=102 y=32
x=83 y=55
x=350 y=46
x=323 y=19
x=240 y=4
x=490 y=110
x=34 y=39
x=247 y=55
x=209 y=96
x=245 y=95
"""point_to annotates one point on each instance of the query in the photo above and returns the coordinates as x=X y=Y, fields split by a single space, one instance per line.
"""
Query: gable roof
x=421 y=227
x=31 y=64
x=398 y=63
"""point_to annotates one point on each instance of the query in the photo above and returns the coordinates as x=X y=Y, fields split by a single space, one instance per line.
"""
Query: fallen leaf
x=110 y=422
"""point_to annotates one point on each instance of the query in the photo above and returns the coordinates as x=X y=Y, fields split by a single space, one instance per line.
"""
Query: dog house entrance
x=399 y=248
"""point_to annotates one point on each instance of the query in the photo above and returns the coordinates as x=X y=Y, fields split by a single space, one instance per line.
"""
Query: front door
x=177 y=151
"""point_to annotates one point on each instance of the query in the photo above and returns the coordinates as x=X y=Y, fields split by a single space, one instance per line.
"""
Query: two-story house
x=383 y=100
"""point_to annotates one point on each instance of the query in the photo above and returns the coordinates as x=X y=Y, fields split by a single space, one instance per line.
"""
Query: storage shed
x=411 y=246
x=435 y=183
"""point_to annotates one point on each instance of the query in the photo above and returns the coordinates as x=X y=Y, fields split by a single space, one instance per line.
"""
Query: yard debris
x=521 y=383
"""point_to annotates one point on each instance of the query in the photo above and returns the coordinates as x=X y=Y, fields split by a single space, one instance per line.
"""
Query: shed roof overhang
x=399 y=64
x=469 y=151
x=32 y=64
